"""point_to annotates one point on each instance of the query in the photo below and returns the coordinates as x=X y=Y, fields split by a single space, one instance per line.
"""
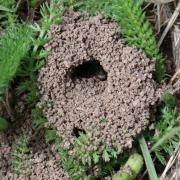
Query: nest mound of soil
x=93 y=82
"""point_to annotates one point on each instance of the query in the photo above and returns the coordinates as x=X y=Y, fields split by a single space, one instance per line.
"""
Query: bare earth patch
x=44 y=162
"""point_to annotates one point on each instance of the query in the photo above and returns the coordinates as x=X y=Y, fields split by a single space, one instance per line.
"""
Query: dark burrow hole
x=89 y=69
x=77 y=132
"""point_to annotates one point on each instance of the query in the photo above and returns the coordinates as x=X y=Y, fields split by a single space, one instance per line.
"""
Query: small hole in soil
x=77 y=132
x=89 y=69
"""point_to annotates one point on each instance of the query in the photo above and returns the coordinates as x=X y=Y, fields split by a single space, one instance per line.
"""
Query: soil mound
x=93 y=82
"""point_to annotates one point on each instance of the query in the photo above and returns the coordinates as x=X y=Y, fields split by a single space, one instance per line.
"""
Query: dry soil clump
x=94 y=82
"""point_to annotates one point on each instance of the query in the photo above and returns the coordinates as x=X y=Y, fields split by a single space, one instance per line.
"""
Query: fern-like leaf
x=14 y=43
x=51 y=14
x=167 y=136
x=38 y=118
x=21 y=156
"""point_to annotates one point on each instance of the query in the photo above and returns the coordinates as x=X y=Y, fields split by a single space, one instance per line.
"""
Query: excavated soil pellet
x=93 y=82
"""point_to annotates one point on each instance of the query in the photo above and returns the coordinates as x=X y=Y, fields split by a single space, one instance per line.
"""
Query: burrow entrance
x=89 y=69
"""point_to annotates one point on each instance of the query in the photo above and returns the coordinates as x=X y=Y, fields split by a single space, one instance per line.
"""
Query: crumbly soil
x=45 y=162
x=94 y=82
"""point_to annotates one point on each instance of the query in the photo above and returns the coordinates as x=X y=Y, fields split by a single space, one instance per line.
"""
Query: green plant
x=131 y=169
x=14 y=43
x=3 y=124
x=33 y=3
x=147 y=158
x=83 y=161
x=166 y=137
x=38 y=118
x=82 y=145
x=169 y=100
x=70 y=164
x=92 y=6
x=51 y=14
x=137 y=31
x=92 y=157
x=167 y=134
x=7 y=3
x=21 y=156
x=7 y=12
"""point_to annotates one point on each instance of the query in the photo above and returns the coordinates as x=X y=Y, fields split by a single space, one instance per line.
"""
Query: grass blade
x=147 y=158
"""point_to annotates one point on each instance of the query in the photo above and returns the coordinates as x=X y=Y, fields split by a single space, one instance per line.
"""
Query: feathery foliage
x=7 y=3
x=7 y=12
x=14 y=43
x=83 y=162
x=169 y=100
x=81 y=146
x=38 y=118
x=167 y=135
x=91 y=6
x=21 y=156
x=51 y=14
x=70 y=165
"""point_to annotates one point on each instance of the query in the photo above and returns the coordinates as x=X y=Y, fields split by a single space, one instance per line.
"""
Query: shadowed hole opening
x=89 y=69
x=77 y=132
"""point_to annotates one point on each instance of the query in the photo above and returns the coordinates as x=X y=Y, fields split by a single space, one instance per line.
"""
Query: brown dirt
x=94 y=82
x=44 y=162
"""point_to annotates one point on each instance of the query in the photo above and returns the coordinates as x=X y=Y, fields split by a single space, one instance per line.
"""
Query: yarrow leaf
x=14 y=43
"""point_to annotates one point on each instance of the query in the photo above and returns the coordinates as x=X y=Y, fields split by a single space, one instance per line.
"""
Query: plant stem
x=131 y=169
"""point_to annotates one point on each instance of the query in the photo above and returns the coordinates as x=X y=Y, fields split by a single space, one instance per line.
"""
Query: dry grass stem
x=170 y=24
x=170 y=163
x=176 y=46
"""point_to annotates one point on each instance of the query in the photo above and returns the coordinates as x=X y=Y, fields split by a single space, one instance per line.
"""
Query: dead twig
x=170 y=24
x=18 y=4
x=170 y=163
x=7 y=105
x=175 y=80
